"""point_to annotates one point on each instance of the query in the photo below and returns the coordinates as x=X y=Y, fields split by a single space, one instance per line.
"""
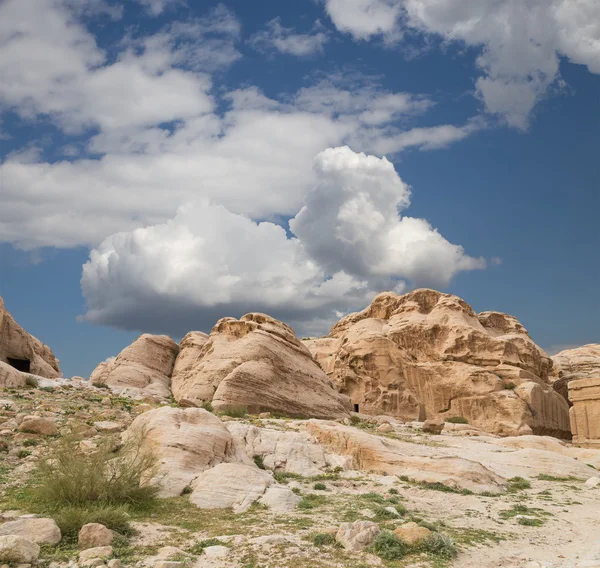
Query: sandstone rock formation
x=256 y=363
x=585 y=412
x=22 y=352
x=390 y=457
x=427 y=354
x=187 y=442
x=579 y=363
x=37 y=530
x=143 y=368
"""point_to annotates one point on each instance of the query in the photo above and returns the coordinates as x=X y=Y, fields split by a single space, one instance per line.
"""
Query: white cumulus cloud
x=349 y=243
x=288 y=41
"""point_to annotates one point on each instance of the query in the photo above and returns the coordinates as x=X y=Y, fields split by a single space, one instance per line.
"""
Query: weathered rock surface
x=230 y=485
x=144 y=367
x=37 y=530
x=20 y=350
x=579 y=363
x=18 y=550
x=190 y=353
x=358 y=535
x=585 y=412
x=93 y=535
x=257 y=363
x=38 y=425
x=427 y=354
x=390 y=457
x=187 y=442
x=412 y=533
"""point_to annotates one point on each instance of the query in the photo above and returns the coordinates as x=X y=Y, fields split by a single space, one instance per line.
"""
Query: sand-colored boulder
x=412 y=533
x=92 y=535
x=426 y=354
x=144 y=367
x=37 y=530
x=38 y=425
x=230 y=485
x=23 y=352
x=257 y=363
x=188 y=358
x=16 y=549
x=571 y=364
x=385 y=456
x=585 y=412
x=358 y=535
x=186 y=441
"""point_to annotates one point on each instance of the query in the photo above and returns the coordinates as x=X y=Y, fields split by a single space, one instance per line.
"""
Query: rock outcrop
x=142 y=368
x=579 y=363
x=585 y=412
x=427 y=354
x=22 y=354
x=256 y=363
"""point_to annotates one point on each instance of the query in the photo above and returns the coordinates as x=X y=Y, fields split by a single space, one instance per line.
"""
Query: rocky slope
x=571 y=364
x=21 y=354
x=425 y=354
x=515 y=502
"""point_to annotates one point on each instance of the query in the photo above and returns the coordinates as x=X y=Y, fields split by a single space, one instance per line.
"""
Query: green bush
x=389 y=547
x=30 y=442
x=71 y=519
x=207 y=406
x=510 y=386
x=529 y=522
x=439 y=545
x=320 y=487
x=32 y=381
x=258 y=460
x=457 y=420
x=518 y=484
x=323 y=539
x=23 y=454
x=71 y=478
x=235 y=411
x=100 y=385
x=200 y=546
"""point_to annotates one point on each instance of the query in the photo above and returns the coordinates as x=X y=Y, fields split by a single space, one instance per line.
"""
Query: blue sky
x=167 y=163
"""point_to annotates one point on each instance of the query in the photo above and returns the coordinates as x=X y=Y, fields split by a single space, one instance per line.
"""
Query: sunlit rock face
x=424 y=354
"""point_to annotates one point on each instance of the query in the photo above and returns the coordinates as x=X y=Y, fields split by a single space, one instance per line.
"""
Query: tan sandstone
x=19 y=347
x=37 y=530
x=412 y=533
x=256 y=363
x=426 y=354
x=585 y=412
x=578 y=363
x=93 y=535
x=187 y=442
x=144 y=367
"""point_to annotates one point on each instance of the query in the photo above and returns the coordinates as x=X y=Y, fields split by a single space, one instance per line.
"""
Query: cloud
x=520 y=42
x=349 y=243
x=157 y=7
x=287 y=41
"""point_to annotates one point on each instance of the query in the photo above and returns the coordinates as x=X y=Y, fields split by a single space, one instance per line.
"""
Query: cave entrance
x=23 y=365
x=356 y=408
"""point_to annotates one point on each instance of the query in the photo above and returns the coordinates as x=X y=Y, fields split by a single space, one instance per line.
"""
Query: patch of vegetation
x=472 y=537
x=30 y=442
x=393 y=491
x=323 y=539
x=71 y=519
x=439 y=545
x=47 y=389
x=23 y=454
x=320 y=487
x=547 y=477
x=518 y=484
x=32 y=381
x=527 y=516
x=187 y=490
x=510 y=386
x=355 y=420
x=529 y=522
x=456 y=420
x=389 y=547
x=311 y=501
x=284 y=476
x=100 y=385
x=437 y=486
x=258 y=460
x=235 y=411
x=207 y=406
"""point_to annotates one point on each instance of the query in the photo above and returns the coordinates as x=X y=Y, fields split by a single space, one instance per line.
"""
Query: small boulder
x=385 y=428
x=103 y=552
x=38 y=425
x=39 y=531
x=358 y=535
x=114 y=563
x=16 y=549
x=433 y=426
x=94 y=535
x=412 y=533
x=108 y=427
x=217 y=551
x=592 y=482
x=280 y=499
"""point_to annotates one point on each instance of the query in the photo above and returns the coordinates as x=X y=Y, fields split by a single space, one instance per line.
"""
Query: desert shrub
x=30 y=442
x=258 y=460
x=235 y=411
x=23 y=454
x=389 y=547
x=187 y=490
x=47 y=389
x=320 y=487
x=32 y=381
x=457 y=420
x=393 y=491
x=284 y=477
x=510 y=386
x=100 y=385
x=439 y=545
x=323 y=539
x=71 y=519
x=437 y=486
x=71 y=478
x=207 y=406
x=200 y=546
x=383 y=514
x=518 y=484
x=311 y=501
x=529 y=522
x=354 y=420
x=547 y=477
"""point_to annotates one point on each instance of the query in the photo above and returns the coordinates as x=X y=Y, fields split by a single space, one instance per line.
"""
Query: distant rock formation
x=585 y=412
x=22 y=354
x=571 y=364
x=427 y=354
x=142 y=368
x=256 y=363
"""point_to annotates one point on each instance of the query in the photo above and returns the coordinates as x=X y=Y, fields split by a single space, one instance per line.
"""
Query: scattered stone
x=168 y=552
x=264 y=415
x=108 y=427
x=104 y=552
x=40 y=531
x=114 y=563
x=433 y=426
x=358 y=535
x=38 y=425
x=94 y=535
x=592 y=482
x=16 y=549
x=385 y=427
x=412 y=533
x=280 y=499
x=217 y=551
